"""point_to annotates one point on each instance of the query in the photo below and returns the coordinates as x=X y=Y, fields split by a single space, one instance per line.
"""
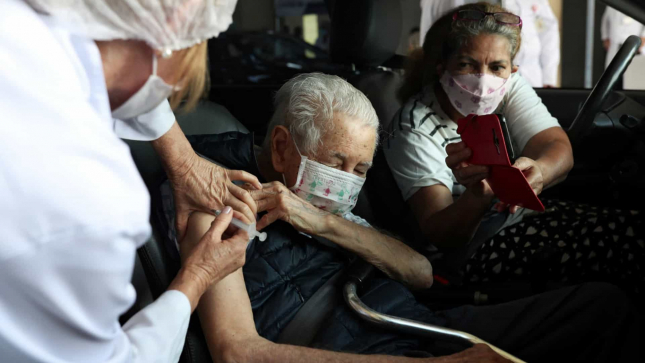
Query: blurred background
x=308 y=20
x=270 y=41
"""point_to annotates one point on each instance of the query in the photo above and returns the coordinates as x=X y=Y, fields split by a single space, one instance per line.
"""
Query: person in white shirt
x=450 y=198
x=74 y=77
x=538 y=57
x=468 y=68
x=616 y=27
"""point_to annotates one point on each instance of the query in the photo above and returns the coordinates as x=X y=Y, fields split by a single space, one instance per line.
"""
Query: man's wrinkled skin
x=199 y=185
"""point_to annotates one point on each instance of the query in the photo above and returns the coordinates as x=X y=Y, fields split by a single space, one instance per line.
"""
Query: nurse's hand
x=200 y=185
x=471 y=176
x=208 y=259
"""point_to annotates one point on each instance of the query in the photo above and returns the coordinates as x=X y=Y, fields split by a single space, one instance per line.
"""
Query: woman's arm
x=390 y=255
x=552 y=152
x=447 y=223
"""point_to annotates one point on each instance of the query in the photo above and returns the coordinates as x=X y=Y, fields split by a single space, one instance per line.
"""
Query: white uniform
x=539 y=54
x=617 y=27
x=74 y=207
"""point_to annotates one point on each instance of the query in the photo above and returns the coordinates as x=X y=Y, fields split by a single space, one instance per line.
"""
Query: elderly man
x=320 y=144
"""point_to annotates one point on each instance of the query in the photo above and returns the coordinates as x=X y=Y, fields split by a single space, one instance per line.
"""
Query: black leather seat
x=155 y=266
x=366 y=34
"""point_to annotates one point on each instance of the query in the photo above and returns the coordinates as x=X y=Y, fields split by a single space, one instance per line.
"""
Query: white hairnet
x=163 y=24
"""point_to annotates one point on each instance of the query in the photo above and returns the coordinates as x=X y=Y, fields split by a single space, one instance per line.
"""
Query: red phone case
x=484 y=136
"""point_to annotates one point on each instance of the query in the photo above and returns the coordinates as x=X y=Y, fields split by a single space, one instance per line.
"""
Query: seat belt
x=302 y=329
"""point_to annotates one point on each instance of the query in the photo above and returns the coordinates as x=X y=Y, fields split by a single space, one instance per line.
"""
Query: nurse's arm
x=552 y=152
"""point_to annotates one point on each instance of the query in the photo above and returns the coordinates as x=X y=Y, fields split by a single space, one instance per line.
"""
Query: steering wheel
x=602 y=89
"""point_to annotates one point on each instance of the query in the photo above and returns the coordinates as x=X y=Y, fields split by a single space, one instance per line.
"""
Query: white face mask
x=153 y=92
x=329 y=189
x=478 y=94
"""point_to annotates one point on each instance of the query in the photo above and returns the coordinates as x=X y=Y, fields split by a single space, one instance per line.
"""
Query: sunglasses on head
x=478 y=15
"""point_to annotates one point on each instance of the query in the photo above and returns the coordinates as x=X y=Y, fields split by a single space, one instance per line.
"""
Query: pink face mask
x=478 y=94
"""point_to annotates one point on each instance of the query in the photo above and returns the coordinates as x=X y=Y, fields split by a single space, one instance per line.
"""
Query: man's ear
x=280 y=148
x=515 y=69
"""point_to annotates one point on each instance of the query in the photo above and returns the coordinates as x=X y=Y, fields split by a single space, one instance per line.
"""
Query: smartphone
x=507 y=138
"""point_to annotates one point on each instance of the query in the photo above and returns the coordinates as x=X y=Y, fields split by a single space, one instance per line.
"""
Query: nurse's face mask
x=153 y=92
x=329 y=189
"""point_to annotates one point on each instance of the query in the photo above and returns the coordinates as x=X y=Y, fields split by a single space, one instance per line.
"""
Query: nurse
x=615 y=29
x=539 y=56
x=75 y=76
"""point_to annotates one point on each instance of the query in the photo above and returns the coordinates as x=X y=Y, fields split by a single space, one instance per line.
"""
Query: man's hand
x=283 y=204
x=478 y=353
x=471 y=176
x=203 y=186
x=207 y=260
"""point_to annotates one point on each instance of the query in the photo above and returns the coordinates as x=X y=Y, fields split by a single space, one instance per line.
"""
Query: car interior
x=606 y=127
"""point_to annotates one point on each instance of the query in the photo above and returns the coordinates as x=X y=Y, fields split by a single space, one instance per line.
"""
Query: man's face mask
x=329 y=189
x=478 y=94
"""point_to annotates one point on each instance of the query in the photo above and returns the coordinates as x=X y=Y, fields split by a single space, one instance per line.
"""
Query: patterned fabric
x=569 y=243
x=478 y=94
x=329 y=189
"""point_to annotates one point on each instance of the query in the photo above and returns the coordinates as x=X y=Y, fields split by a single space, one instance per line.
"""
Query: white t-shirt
x=73 y=208
x=420 y=131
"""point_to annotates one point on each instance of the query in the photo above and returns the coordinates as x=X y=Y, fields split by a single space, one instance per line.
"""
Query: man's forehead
x=344 y=156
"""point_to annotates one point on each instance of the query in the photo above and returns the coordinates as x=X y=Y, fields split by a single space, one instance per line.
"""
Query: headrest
x=365 y=32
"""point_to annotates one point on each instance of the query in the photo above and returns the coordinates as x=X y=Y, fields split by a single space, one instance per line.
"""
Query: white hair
x=306 y=105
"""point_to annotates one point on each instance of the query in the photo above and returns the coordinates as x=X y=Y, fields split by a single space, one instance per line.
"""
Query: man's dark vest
x=284 y=271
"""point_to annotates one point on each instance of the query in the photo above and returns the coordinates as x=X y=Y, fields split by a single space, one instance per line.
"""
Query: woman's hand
x=200 y=185
x=471 y=176
x=283 y=204
x=208 y=260
x=533 y=174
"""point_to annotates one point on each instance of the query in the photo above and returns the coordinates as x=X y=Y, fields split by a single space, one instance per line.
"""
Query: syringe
x=249 y=228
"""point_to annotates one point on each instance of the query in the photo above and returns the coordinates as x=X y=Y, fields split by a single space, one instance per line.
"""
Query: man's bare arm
x=227 y=321
x=393 y=257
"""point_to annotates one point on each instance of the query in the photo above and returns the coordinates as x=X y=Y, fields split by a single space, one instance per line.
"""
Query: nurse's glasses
x=478 y=15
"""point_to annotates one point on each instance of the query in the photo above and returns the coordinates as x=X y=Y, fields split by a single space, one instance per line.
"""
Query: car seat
x=359 y=37
x=156 y=266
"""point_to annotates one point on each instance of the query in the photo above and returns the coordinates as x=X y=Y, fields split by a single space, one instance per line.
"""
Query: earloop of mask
x=301 y=167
